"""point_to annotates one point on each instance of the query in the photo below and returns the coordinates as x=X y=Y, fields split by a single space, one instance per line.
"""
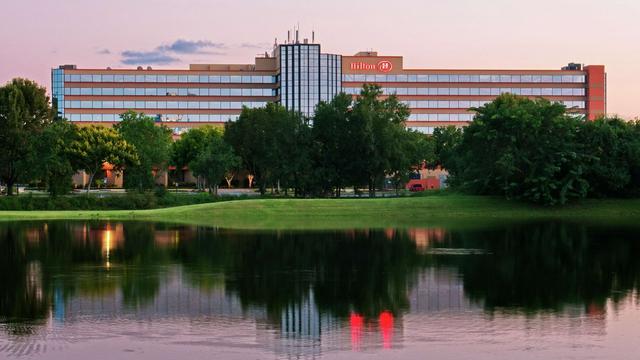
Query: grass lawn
x=432 y=210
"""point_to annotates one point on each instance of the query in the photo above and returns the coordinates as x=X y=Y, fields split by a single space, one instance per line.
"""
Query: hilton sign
x=382 y=66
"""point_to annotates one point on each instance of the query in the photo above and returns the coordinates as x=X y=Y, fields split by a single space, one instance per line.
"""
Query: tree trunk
x=90 y=181
x=372 y=189
x=228 y=179
x=250 y=178
x=215 y=190
x=10 y=184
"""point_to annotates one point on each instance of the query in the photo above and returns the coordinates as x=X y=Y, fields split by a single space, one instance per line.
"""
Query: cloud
x=181 y=46
x=130 y=57
x=166 y=54
x=104 y=52
x=261 y=45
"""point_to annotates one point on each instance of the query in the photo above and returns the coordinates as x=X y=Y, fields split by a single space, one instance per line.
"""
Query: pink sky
x=36 y=35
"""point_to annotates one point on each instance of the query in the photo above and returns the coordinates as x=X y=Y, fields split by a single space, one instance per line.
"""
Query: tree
x=24 y=112
x=333 y=140
x=290 y=156
x=215 y=160
x=53 y=159
x=446 y=141
x=153 y=148
x=97 y=145
x=376 y=126
x=522 y=149
x=263 y=138
x=191 y=144
x=614 y=149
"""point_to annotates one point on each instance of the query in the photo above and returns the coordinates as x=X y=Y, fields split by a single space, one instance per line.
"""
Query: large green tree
x=614 y=147
x=53 y=161
x=291 y=145
x=24 y=112
x=214 y=161
x=272 y=143
x=331 y=136
x=446 y=141
x=376 y=129
x=523 y=149
x=153 y=148
x=191 y=144
x=97 y=145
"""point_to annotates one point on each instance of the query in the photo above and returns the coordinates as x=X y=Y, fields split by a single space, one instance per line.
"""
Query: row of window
x=168 y=92
x=441 y=117
x=240 y=79
x=465 y=78
x=474 y=91
x=464 y=104
x=76 y=104
x=159 y=117
x=422 y=129
x=413 y=104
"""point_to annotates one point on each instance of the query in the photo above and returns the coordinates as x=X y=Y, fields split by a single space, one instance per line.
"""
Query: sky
x=37 y=35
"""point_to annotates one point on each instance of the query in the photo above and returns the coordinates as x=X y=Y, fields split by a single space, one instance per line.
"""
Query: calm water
x=147 y=291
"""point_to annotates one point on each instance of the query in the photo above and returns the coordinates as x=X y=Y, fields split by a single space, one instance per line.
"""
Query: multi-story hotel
x=298 y=75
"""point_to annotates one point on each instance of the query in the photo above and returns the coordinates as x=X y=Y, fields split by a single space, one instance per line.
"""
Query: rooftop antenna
x=288 y=36
x=313 y=36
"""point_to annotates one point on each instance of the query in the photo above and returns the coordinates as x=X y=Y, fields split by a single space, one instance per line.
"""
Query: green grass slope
x=448 y=209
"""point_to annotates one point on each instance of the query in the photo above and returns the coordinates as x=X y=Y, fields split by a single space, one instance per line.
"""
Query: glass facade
x=330 y=76
x=58 y=90
x=307 y=76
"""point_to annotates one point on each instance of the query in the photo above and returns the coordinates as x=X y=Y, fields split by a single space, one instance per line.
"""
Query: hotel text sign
x=383 y=66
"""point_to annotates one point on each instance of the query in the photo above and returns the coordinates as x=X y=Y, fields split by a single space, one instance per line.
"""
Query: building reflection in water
x=157 y=273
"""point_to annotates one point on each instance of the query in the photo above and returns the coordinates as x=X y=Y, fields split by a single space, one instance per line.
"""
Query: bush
x=128 y=201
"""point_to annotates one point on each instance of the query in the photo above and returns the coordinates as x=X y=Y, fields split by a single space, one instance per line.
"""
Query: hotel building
x=298 y=75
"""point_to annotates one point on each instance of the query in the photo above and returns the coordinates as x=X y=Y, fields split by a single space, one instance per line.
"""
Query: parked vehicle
x=416 y=187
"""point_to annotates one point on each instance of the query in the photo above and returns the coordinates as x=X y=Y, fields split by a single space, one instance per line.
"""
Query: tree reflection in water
x=305 y=283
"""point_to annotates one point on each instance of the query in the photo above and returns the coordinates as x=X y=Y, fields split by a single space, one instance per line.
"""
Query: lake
x=106 y=290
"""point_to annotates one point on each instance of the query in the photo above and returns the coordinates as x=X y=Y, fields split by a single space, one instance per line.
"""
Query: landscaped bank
x=446 y=209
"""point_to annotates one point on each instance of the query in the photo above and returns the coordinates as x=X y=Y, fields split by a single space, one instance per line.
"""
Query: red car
x=416 y=187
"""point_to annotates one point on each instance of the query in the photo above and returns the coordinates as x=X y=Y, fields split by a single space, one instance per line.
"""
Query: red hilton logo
x=384 y=66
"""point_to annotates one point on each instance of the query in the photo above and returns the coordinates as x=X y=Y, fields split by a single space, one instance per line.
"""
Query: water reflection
x=303 y=293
